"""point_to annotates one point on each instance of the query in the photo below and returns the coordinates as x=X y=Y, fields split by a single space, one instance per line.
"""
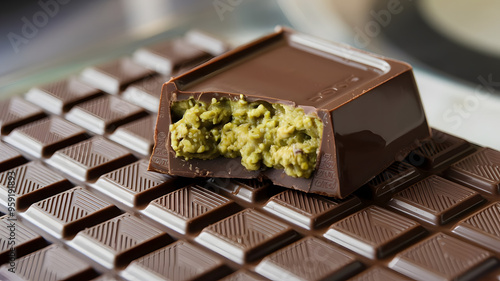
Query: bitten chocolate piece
x=369 y=107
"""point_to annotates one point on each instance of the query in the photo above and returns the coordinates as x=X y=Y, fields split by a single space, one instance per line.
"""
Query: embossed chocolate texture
x=357 y=96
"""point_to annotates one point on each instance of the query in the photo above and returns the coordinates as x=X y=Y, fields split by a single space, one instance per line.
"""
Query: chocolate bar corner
x=369 y=108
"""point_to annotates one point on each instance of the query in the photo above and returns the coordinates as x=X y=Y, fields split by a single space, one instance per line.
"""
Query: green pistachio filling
x=261 y=133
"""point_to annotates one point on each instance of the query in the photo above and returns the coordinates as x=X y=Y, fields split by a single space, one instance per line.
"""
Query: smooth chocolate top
x=293 y=67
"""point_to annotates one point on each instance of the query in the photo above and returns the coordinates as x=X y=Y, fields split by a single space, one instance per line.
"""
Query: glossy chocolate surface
x=369 y=106
x=92 y=211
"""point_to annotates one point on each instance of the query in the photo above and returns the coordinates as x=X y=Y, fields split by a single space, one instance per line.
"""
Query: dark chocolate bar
x=369 y=107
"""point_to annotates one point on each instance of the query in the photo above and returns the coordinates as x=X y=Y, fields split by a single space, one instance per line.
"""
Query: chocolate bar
x=92 y=211
x=369 y=110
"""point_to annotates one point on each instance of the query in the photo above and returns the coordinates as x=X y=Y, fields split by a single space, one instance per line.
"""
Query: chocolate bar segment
x=482 y=227
x=245 y=236
x=15 y=112
x=29 y=183
x=24 y=241
x=116 y=242
x=369 y=108
x=133 y=185
x=435 y=200
x=66 y=213
x=91 y=158
x=178 y=261
x=480 y=170
x=190 y=209
x=309 y=210
x=9 y=157
x=442 y=257
x=104 y=114
x=113 y=77
x=51 y=263
x=374 y=232
x=60 y=96
x=309 y=259
x=43 y=137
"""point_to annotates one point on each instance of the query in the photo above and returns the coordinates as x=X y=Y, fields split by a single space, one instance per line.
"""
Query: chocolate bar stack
x=389 y=200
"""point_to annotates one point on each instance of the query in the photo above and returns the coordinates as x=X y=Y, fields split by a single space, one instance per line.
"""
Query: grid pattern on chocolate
x=25 y=240
x=33 y=182
x=440 y=148
x=91 y=158
x=69 y=212
x=116 y=242
x=245 y=236
x=114 y=76
x=482 y=227
x=480 y=170
x=15 y=112
x=9 y=157
x=199 y=208
x=442 y=257
x=104 y=114
x=136 y=135
x=43 y=137
x=282 y=233
x=48 y=264
x=308 y=259
x=177 y=261
x=58 y=97
x=133 y=185
x=308 y=210
x=435 y=200
x=374 y=232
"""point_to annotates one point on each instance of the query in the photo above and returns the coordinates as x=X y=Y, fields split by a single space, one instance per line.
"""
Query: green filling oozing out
x=261 y=133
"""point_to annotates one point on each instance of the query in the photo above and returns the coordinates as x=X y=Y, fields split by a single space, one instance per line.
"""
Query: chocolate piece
x=47 y=264
x=91 y=158
x=442 y=257
x=249 y=190
x=390 y=181
x=309 y=211
x=207 y=42
x=113 y=77
x=480 y=170
x=356 y=95
x=9 y=157
x=136 y=135
x=178 y=261
x=245 y=236
x=146 y=93
x=378 y=273
x=43 y=137
x=16 y=112
x=435 y=200
x=167 y=57
x=374 y=232
x=60 y=96
x=31 y=182
x=308 y=259
x=190 y=209
x=66 y=213
x=482 y=227
x=118 y=241
x=15 y=238
x=439 y=149
x=133 y=185
x=104 y=114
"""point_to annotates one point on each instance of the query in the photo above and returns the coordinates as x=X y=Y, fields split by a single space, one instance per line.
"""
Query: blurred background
x=453 y=44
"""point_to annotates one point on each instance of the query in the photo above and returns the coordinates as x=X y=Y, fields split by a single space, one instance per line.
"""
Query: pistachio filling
x=261 y=133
